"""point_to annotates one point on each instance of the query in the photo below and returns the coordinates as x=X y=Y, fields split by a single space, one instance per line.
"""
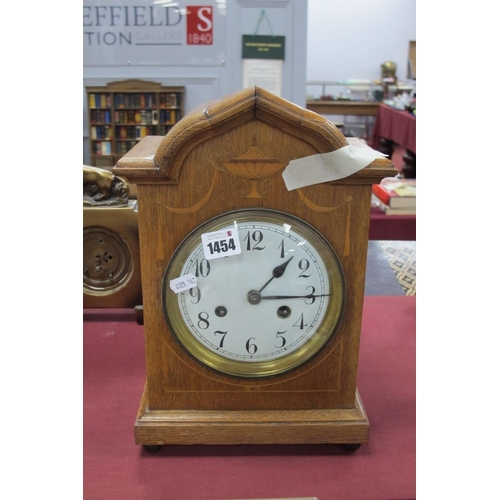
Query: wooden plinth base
x=184 y=427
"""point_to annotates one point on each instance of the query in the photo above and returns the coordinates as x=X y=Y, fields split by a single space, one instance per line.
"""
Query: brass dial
x=263 y=311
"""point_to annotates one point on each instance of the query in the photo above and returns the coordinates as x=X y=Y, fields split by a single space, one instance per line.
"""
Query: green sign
x=263 y=47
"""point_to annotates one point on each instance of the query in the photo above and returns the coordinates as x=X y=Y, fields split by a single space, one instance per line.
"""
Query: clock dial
x=260 y=312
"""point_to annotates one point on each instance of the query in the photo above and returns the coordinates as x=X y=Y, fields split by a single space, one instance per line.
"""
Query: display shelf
x=358 y=90
x=123 y=112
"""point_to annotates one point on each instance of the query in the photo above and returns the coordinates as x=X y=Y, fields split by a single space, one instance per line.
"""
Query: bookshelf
x=123 y=112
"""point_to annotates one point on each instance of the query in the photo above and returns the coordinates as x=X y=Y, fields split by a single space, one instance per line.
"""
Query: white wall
x=350 y=39
x=325 y=40
x=207 y=83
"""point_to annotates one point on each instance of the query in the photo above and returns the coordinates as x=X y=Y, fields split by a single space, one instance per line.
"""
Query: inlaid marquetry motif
x=346 y=205
x=197 y=205
x=253 y=167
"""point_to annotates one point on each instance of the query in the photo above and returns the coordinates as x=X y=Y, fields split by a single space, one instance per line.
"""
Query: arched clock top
x=160 y=158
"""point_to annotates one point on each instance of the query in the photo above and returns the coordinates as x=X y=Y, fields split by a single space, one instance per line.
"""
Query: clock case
x=229 y=155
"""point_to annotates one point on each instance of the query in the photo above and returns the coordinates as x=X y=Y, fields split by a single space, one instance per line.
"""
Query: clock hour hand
x=282 y=297
x=278 y=272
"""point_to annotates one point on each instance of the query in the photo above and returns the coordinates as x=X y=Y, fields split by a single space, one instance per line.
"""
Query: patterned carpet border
x=402 y=257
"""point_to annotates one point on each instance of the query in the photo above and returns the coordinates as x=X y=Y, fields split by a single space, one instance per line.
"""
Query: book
x=397 y=193
x=376 y=202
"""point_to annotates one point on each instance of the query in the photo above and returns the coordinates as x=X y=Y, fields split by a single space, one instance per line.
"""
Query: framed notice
x=265 y=73
x=154 y=33
x=263 y=57
x=263 y=47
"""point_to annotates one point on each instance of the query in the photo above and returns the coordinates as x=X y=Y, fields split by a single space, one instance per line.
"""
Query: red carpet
x=383 y=468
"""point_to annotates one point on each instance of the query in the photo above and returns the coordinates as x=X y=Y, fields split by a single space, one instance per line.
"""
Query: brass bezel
x=258 y=369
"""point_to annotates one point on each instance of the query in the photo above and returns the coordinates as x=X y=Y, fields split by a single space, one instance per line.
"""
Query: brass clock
x=261 y=311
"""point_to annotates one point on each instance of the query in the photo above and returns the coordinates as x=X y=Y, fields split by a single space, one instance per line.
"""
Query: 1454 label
x=221 y=243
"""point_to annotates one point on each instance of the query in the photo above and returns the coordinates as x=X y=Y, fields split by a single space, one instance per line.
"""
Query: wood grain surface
x=206 y=166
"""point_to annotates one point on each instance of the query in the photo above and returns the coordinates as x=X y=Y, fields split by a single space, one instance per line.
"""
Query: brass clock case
x=107 y=261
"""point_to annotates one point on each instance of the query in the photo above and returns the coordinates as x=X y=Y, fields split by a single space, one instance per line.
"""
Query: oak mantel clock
x=252 y=294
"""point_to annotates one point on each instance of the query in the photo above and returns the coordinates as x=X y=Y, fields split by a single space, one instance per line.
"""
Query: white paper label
x=183 y=283
x=327 y=167
x=221 y=244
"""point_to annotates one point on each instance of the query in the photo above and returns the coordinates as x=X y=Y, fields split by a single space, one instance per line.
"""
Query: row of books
x=99 y=101
x=123 y=101
x=395 y=196
x=138 y=117
x=145 y=117
x=100 y=116
x=135 y=100
x=124 y=146
x=99 y=132
x=105 y=132
x=170 y=117
x=170 y=100
x=104 y=147
x=126 y=137
x=137 y=132
x=101 y=148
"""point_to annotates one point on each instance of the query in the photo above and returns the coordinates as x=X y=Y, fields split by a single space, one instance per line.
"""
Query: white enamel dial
x=265 y=310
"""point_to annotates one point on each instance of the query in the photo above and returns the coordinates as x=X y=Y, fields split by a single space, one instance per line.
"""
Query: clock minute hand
x=278 y=272
x=280 y=297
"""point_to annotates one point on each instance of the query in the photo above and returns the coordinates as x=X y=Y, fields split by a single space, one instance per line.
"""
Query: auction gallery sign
x=153 y=32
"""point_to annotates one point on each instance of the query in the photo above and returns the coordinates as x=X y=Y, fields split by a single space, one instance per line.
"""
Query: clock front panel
x=241 y=367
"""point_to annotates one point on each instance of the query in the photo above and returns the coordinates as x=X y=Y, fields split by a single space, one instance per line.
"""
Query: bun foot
x=352 y=446
x=151 y=448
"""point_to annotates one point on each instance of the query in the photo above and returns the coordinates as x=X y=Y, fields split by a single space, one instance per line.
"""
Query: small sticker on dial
x=183 y=283
x=221 y=244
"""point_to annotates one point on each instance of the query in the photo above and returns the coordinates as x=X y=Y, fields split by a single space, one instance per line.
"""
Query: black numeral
x=203 y=323
x=312 y=299
x=300 y=322
x=257 y=237
x=304 y=266
x=195 y=293
x=282 y=246
x=251 y=347
x=282 y=339
x=218 y=332
x=202 y=268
